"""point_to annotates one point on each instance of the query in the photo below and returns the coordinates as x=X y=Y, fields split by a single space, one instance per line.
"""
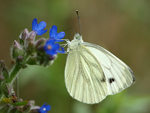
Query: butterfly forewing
x=118 y=75
x=84 y=77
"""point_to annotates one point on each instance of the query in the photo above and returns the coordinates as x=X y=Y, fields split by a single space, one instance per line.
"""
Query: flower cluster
x=51 y=47
x=28 y=51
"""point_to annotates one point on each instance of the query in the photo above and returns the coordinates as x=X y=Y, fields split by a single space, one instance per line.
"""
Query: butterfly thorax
x=73 y=45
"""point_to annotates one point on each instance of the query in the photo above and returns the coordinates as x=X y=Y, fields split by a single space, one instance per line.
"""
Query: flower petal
x=51 y=52
x=56 y=46
x=60 y=35
x=61 y=51
x=53 y=31
x=50 y=42
x=48 y=107
x=44 y=108
x=41 y=26
x=59 y=40
x=34 y=24
x=41 y=32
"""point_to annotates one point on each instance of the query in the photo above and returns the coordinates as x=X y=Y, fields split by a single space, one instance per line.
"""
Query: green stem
x=16 y=69
x=14 y=72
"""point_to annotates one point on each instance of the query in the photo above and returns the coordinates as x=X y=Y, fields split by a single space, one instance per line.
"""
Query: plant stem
x=14 y=72
x=16 y=69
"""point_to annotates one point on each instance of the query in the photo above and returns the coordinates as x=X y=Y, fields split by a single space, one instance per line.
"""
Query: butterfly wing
x=118 y=75
x=84 y=77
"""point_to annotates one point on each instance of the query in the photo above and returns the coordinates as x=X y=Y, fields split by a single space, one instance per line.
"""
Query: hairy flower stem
x=16 y=69
x=14 y=72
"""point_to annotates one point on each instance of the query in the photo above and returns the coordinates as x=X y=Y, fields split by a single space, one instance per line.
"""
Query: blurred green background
x=121 y=26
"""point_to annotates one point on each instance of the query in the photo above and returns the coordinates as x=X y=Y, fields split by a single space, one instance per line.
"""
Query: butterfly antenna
x=79 y=21
x=70 y=28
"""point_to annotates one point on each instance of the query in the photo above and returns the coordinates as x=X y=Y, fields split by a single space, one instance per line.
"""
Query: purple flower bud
x=40 y=42
x=5 y=74
x=4 y=71
x=2 y=65
x=31 y=102
x=32 y=36
x=24 y=35
x=30 y=48
x=1 y=79
x=34 y=109
x=19 y=59
x=17 y=50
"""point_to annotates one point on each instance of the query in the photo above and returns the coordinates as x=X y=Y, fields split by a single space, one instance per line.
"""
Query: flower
x=56 y=36
x=38 y=28
x=44 y=108
x=51 y=48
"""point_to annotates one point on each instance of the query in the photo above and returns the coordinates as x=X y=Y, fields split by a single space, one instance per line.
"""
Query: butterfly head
x=75 y=42
x=78 y=37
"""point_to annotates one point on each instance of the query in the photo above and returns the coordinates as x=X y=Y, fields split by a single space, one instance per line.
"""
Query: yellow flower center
x=44 y=109
x=49 y=47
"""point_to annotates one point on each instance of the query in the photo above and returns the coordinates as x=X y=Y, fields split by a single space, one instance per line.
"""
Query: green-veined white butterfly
x=92 y=72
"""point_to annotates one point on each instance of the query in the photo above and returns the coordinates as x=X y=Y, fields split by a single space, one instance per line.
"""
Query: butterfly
x=92 y=72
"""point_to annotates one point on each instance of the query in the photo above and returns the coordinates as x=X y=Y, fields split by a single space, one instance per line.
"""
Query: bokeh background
x=121 y=26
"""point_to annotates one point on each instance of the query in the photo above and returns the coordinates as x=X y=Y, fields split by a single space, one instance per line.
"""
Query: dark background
x=121 y=26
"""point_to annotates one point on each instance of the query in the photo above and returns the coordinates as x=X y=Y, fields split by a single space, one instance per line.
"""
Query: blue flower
x=56 y=36
x=38 y=28
x=44 y=108
x=52 y=48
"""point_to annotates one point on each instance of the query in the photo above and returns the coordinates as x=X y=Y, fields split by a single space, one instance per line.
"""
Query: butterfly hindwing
x=118 y=75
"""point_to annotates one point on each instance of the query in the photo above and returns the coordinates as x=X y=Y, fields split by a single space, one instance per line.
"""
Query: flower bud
x=1 y=79
x=7 y=89
x=5 y=74
x=21 y=100
x=31 y=102
x=24 y=35
x=41 y=49
x=19 y=59
x=31 y=36
x=30 y=48
x=4 y=71
x=32 y=61
x=40 y=42
x=17 y=50
x=34 y=109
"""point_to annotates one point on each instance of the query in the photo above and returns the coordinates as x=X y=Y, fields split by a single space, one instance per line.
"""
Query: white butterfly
x=92 y=72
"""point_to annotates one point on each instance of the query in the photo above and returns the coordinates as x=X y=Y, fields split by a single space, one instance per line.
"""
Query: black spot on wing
x=111 y=80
